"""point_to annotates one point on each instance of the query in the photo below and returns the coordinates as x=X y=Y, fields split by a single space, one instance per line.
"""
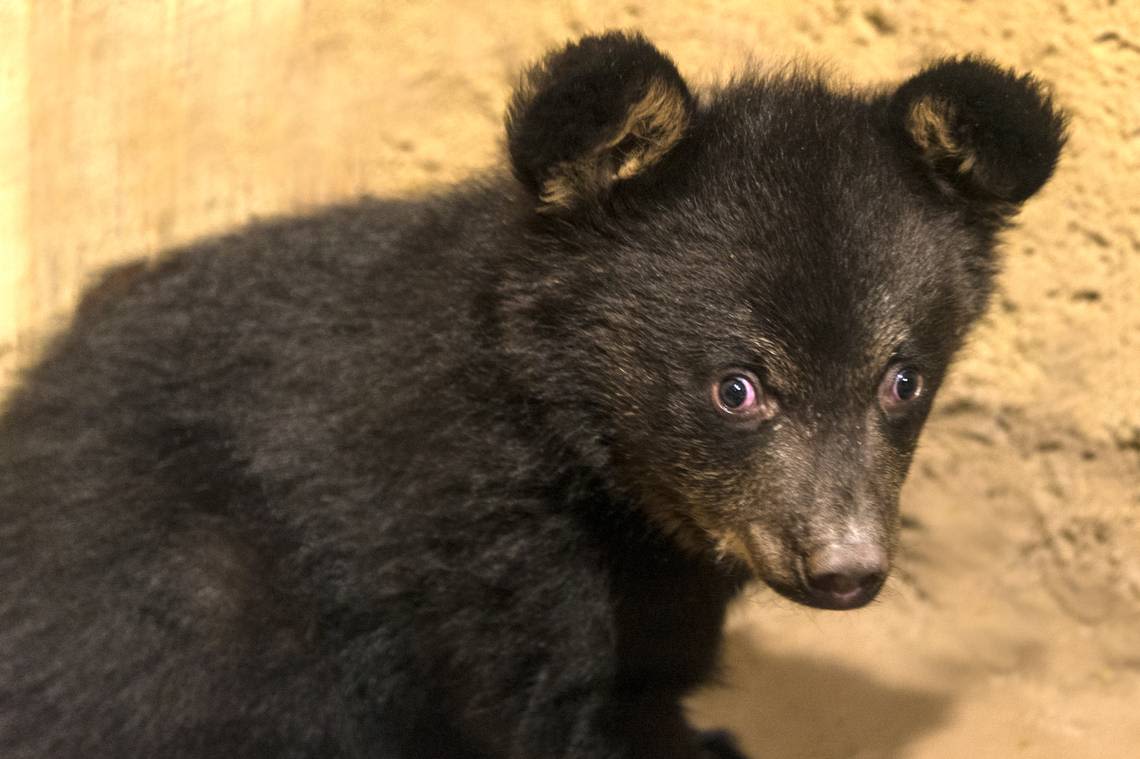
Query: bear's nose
x=846 y=575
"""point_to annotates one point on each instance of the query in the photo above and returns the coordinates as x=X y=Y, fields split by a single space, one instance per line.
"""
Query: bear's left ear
x=983 y=132
x=599 y=111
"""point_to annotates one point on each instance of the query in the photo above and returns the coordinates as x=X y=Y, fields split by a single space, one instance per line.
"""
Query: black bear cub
x=475 y=476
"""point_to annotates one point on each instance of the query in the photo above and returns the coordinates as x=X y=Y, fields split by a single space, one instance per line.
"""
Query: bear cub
x=475 y=476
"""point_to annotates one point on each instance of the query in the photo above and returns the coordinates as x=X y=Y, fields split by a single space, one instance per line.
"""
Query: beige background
x=1012 y=628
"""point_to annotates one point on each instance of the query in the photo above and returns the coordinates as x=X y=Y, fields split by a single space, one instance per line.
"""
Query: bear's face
x=746 y=305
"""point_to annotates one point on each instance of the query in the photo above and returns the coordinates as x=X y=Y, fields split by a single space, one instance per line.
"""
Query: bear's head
x=738 y=307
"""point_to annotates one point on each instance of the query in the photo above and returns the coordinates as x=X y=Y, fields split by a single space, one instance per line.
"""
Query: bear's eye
x=738 y=393
x=900 y=386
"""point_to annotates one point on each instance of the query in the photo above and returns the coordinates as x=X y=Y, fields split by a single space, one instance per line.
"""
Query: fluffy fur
x=443 y=477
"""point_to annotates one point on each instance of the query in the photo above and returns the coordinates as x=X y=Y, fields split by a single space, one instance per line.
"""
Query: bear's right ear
x=592 y=114
x=984 y=133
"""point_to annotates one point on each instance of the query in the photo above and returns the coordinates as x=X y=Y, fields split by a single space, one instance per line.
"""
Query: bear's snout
x=845 y=575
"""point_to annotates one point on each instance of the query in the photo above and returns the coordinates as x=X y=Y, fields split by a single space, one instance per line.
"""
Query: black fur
x=1002 y=116
x=444 y=478
x=577 y=98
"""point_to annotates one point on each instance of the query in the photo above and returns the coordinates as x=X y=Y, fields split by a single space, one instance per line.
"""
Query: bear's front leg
x=600 y=727
x=668 y=734
x=567 y=697
x=720 y=744
x=552 y=637
x=549 y=671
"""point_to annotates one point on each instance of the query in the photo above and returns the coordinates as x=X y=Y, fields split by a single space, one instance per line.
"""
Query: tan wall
x=1014 y=628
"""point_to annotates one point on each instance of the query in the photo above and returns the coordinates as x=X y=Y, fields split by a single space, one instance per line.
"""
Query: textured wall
x=1013 y=628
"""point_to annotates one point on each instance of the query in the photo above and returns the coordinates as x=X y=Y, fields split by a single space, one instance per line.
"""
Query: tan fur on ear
x=657 y=121
x=572 y=179
x=652 y=127
x=930 y=123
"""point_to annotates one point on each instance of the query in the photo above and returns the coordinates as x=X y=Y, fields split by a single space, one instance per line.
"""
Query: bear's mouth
x=784 y=569
x=856 y=597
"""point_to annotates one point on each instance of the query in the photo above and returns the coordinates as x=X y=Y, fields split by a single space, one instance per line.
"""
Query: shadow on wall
x=795 y=707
